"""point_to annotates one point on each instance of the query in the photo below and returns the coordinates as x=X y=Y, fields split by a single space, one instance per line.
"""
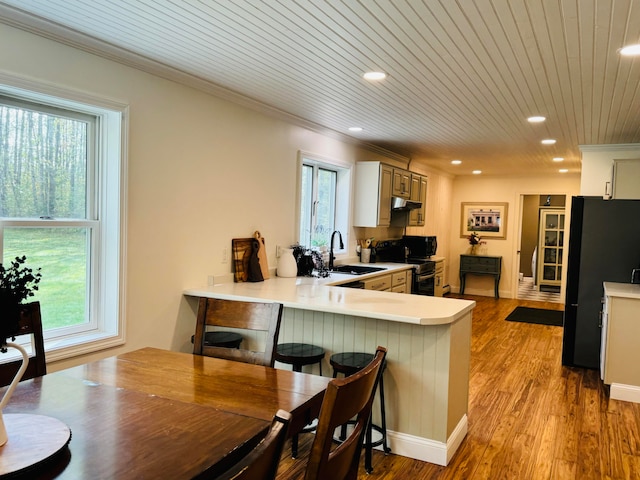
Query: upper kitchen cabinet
x=625 y=179
x=401 y=183
x=373 y=194
x=418 y=194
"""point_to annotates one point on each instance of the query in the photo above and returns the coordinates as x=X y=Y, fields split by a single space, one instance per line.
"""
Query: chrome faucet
x=331 y=256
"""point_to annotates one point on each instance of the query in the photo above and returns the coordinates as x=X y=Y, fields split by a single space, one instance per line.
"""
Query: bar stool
x=297 y=355
x=221 y=339
x=349 y=363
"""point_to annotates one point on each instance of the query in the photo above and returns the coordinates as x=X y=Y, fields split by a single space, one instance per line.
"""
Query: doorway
x=541 y=247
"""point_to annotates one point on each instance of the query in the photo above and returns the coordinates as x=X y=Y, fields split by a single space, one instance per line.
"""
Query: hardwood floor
x=529 y=417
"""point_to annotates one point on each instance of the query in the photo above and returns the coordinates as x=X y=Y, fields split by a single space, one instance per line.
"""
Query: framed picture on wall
x=488 y=219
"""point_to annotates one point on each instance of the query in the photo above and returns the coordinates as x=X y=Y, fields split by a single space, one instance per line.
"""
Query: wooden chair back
x=344 y=399
x=242 y=315
x=262 y=462
x=30 y=323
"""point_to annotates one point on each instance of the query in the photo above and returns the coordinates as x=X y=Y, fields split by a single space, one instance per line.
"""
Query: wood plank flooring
x=529 y=417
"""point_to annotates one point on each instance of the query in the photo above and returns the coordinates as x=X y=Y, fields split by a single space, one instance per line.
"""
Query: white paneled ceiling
x=463 y=74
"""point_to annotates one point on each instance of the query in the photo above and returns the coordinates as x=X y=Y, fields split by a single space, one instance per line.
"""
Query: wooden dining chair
x=262 y=462
x=265 y=317
x=30 y=324
x=344 y=399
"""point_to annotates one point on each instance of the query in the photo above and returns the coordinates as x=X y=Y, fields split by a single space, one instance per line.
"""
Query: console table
x=480 y=265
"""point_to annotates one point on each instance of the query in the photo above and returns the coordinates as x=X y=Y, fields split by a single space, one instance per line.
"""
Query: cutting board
x=241 y=248
x=245 y=268
x=262 y=255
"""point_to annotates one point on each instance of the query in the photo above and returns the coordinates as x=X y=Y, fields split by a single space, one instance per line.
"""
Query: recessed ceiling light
x=558 y=159
x=536 y=119
x=563 y=170
x=355 y=129
x=456 y=162
x=477 y=172
x=374 y=76
x=630 y=50
x=548 y=141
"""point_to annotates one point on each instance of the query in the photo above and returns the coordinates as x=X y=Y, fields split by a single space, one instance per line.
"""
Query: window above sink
x=324 y=183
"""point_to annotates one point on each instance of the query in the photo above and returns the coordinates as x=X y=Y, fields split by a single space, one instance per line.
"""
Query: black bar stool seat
x=348 y=363
x=297 y=355
x=221 y=339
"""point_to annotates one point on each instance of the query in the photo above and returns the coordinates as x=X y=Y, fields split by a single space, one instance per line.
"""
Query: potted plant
x=17 y=283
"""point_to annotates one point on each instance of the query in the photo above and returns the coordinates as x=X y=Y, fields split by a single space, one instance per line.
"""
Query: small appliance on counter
x=419 y=246
x=635 y=275
x=417 y=251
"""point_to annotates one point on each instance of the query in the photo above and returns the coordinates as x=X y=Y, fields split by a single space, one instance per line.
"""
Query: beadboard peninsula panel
x=426 y=388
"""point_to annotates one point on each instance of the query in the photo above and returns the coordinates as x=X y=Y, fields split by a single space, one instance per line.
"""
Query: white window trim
x=343 y=194
x=109 y=310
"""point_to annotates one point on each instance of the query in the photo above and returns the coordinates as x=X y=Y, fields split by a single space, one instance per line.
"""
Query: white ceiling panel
x=463 y=75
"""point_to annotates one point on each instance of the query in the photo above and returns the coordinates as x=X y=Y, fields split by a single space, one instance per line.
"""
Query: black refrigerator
x=604 y=246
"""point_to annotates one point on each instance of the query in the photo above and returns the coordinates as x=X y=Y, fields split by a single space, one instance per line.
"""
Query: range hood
x=402 y=204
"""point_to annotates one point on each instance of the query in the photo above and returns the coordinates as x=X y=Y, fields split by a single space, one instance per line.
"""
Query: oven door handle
x=422 y=278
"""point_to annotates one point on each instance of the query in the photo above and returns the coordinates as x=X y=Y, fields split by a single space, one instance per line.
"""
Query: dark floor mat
x=540 y=316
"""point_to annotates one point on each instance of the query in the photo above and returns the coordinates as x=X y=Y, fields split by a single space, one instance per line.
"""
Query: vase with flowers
x=475 y=241
x=17 y=283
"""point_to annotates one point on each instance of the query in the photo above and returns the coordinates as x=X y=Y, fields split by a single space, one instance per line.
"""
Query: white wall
x=201 y=172
x=438 y=212
x=499 y=189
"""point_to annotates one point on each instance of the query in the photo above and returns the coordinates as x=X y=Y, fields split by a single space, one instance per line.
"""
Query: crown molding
x=613 y=147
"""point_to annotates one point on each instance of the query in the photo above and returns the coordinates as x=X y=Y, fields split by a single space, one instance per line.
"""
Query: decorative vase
x=287 y=265
x=12 y=387
x=473 y=249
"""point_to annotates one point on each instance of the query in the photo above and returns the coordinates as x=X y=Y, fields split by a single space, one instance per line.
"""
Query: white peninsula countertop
x=323 y=295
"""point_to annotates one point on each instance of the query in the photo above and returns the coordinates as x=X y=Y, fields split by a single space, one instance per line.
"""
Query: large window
x=324 y=193
x=60 y=197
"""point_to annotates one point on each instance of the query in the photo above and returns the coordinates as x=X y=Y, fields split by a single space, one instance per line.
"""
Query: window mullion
x=316 y=201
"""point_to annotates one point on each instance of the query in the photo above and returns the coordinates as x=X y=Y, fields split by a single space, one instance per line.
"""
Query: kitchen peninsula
x=428 y=340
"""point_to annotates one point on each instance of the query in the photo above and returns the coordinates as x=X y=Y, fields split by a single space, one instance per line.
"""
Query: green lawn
x=61 y=255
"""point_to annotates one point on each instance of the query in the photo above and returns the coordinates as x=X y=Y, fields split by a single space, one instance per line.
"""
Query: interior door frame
x=515 y=268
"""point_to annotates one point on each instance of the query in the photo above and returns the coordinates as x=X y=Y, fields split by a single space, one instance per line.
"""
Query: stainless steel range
x=424 y=269
x=424 y=275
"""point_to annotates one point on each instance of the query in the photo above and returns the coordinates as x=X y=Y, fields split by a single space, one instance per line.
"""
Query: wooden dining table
x=153 y=413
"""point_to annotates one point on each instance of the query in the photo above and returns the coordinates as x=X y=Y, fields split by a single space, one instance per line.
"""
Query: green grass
x=60 y=253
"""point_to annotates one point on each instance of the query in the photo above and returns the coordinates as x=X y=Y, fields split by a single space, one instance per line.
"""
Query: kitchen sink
x=356 y=269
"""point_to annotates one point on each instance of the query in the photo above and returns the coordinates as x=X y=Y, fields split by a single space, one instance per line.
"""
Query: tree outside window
x=43 y=199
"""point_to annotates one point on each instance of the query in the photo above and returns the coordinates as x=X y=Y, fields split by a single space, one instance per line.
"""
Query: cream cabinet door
x=418 y=194
x=401 y=183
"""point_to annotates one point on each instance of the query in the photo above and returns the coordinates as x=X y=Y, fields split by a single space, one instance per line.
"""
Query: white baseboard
x=627 y=393
x=425 y=449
